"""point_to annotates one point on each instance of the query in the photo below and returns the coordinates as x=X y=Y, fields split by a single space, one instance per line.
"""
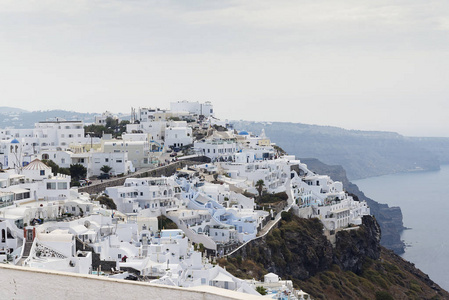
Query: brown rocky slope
x=356 y=268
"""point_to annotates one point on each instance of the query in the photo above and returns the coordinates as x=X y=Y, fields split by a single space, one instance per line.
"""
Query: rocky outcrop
x=352 y=247
x=298 y=249
x=389 y=218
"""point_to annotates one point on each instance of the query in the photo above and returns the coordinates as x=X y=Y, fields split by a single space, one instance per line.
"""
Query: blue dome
x=243 y=133
x=15 y=141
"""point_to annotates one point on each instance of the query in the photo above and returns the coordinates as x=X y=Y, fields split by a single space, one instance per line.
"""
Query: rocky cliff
x=389 y=218
x=356 y=268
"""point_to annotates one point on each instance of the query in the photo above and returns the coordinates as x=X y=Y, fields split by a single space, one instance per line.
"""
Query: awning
x=19 y=191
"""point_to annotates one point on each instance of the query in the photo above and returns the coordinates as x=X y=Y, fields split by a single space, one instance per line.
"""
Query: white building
x=319 y=196
x=275 y=174
x=178 y=136
x=47 y=135
x=13 y=155
x=156 y=195
x=137 y=151
x=155 y=130
x=56 y=250
x=195 y=108
x=101 y=120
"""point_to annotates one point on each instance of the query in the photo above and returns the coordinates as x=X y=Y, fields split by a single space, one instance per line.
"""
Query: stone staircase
x=26 y=253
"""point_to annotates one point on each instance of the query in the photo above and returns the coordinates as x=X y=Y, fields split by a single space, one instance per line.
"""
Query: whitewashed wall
x=27 y=283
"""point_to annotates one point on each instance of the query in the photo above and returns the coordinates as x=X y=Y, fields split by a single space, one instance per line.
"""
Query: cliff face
x=352 y=247
x=389 y=218
x=299 y=249
x=357 y=268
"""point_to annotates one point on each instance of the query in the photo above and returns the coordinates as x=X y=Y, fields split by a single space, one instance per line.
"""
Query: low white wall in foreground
x=27 y=283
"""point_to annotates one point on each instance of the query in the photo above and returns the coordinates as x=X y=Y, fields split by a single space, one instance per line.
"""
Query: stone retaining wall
x=167 y=170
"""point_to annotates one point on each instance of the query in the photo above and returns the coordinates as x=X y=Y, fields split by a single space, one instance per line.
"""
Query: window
x=51 y=185
x=118 y=160
x=106 y=159
x=62 y=185
x=62 y=160
x=42 y=172
x=73 y=208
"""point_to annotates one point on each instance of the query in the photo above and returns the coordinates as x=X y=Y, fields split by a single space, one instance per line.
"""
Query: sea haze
x=424 y=200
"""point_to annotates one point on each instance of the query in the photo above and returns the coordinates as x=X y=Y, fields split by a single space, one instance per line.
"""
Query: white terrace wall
x=28 y=283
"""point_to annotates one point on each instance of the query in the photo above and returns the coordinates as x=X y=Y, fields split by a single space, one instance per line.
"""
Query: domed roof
x=36 y=165
x=15 y=141
x=243 y=132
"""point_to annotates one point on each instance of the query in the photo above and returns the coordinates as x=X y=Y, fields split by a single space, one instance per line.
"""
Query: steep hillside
x=356 y=268
x=6 y=110
x=361 y=153
x=389 y=218
x=18 y=118
x=438 y=146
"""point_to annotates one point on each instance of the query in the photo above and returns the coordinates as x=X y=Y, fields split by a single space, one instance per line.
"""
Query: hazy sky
x=374 y=65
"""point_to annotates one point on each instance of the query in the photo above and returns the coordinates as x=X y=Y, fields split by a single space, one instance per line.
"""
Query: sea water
x=424 y=200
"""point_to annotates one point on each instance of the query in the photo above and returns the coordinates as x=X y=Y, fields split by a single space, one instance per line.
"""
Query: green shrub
x=108 y=202
x=382 y=295
x=261 y=290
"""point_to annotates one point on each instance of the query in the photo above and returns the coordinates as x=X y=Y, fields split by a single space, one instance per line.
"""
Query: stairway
x=26 y=253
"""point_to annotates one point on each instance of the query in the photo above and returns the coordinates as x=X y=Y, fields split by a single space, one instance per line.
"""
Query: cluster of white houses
x=46 y=224
x=66 y=142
